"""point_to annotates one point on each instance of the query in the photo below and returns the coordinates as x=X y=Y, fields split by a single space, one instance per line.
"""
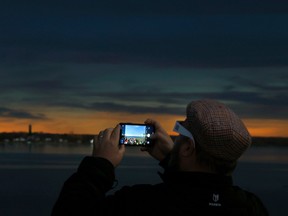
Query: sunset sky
x=81 y=66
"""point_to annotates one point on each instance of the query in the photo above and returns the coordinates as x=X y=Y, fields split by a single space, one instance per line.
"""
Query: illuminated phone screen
x=136 y=134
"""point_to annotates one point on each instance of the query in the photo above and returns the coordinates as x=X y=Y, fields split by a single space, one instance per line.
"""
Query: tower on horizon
x=30 y=129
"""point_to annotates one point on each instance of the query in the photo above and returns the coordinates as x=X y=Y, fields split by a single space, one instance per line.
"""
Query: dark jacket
x=181 y=193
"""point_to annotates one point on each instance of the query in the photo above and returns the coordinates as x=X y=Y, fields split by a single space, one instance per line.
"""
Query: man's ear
x=187 y=148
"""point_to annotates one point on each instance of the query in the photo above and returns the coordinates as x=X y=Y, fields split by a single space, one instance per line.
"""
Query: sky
x=82 y=66
x=136 y=131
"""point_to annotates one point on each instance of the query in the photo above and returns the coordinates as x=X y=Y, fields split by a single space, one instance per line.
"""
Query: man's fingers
x=107 y=133
x=157 y=125
x=122 y=149
x=100 y=135
x=115 y=135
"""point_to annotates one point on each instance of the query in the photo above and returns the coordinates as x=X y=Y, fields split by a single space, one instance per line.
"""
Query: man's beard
x=174 y=158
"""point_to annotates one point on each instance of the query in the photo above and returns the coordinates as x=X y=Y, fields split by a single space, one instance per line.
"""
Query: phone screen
x=136 y=134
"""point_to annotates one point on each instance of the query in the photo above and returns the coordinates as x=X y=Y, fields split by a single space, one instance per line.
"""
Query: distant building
x=30 y=129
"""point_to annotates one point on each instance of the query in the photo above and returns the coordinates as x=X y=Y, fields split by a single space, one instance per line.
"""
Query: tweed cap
x=217 y=129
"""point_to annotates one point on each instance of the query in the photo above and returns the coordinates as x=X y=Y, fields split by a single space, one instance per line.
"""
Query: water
x=31 y=176
x=254 y=154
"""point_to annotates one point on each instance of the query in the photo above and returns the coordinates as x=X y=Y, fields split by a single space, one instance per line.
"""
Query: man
x=198 y=171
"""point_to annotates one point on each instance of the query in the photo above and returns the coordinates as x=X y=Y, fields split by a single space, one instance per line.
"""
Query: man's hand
x=106 y=145
x=162 y=142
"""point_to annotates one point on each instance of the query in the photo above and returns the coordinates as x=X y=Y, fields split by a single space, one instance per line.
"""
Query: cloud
x=245 y=104
x=264 y=82
x=252 y=92
x=123 y=108
x=135 y=109
x=20 y=114
x=191 y=49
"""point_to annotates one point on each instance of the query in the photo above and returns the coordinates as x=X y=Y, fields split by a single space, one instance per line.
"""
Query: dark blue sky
x=162 y=33
x=142 y=57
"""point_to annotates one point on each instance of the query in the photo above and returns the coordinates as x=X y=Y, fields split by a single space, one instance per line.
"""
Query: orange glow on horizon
x=94 y=122
x=267 y=127
x=83 y=124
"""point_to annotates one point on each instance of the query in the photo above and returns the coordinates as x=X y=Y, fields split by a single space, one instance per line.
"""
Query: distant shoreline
x=48 y=138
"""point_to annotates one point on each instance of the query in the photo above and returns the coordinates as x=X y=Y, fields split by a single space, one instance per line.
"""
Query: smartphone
x=133 y=134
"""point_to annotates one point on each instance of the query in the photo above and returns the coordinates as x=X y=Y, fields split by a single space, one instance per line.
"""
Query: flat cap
x=217 y=129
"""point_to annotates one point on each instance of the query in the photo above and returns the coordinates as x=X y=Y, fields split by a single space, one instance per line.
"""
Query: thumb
x=122 y=149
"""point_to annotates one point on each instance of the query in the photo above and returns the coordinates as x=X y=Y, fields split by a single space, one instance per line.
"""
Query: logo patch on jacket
x=215 y=200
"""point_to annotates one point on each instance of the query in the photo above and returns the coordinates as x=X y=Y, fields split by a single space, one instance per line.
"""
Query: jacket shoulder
x=254 y=204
